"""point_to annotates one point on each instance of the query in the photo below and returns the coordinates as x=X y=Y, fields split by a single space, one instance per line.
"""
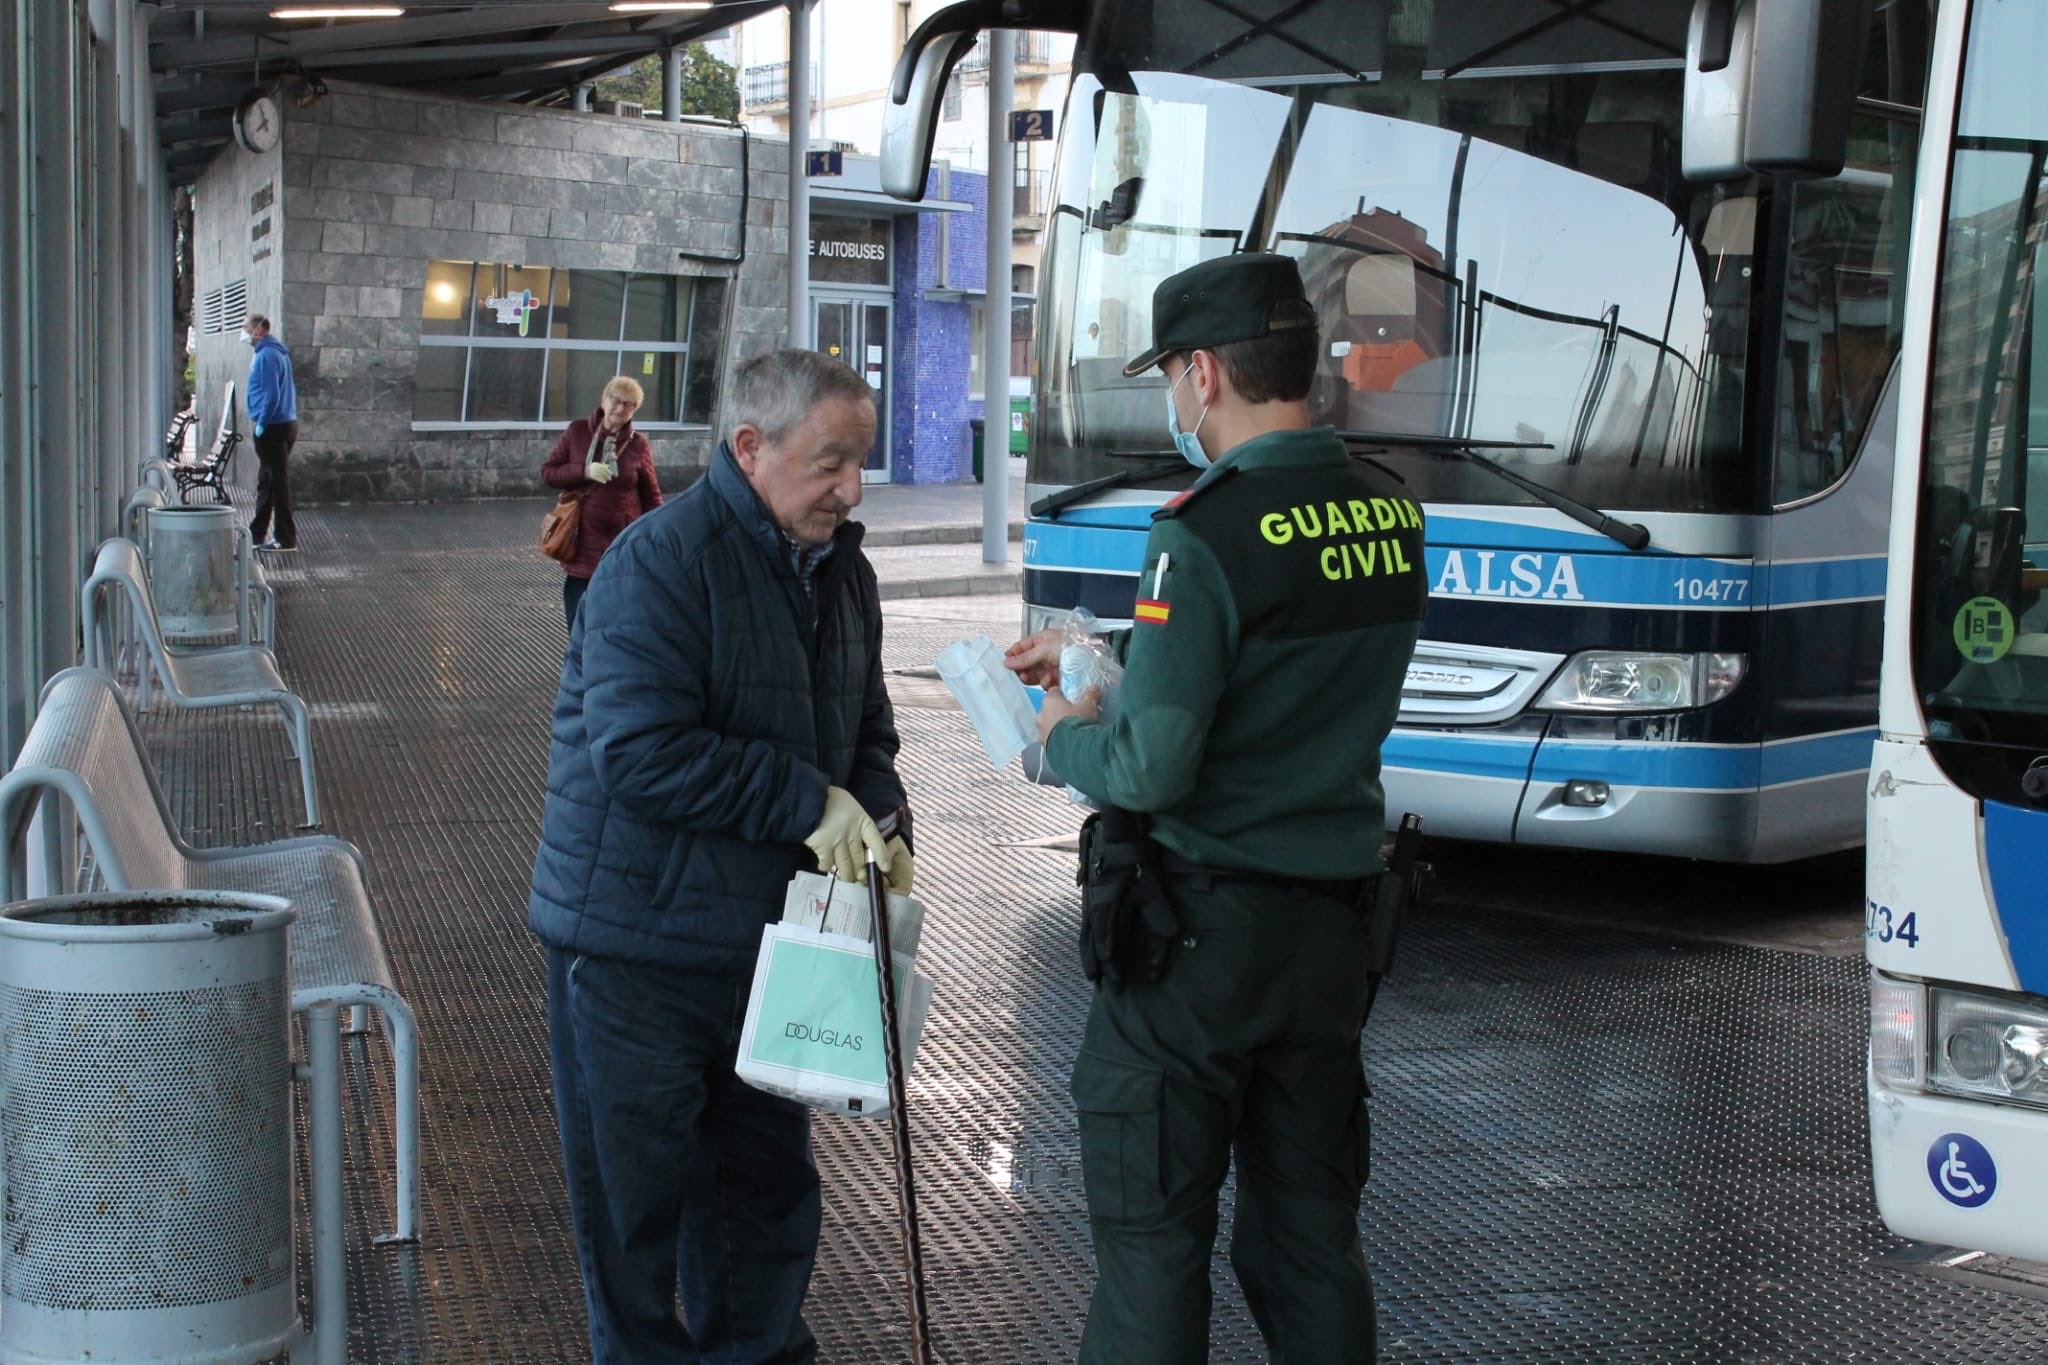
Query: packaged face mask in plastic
x=995 y=702
x=1087 y=661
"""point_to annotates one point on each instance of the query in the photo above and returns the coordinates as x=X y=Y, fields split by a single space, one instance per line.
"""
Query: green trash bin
x=975 y=425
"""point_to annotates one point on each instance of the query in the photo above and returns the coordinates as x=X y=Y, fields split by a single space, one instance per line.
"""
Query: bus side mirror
x=1120 y=208
x=1808 y=62
x=1718 y=56
x=1770 y=86
x=910 y=118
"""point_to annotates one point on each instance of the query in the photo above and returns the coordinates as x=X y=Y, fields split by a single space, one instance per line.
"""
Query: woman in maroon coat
x=611 y=465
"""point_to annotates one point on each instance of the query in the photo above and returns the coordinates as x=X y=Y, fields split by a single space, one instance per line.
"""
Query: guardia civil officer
x=1280 y=602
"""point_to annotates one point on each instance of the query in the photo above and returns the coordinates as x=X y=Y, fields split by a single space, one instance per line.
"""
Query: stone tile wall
x=241 y=244
x=372 y=184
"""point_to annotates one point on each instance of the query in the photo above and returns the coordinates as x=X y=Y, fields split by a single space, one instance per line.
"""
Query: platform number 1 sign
x=1031 y=125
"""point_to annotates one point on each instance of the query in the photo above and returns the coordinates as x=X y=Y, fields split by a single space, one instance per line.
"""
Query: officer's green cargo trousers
x=1250 y=1042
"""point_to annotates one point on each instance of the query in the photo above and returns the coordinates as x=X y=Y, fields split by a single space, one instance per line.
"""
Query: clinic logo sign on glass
x=1962 y=1170
x=514 y=308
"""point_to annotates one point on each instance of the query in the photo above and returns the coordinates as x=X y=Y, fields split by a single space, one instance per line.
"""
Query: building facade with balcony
x=854 y=45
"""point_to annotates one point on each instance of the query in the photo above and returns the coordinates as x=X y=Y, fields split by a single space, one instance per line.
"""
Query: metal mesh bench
x=85 y=751
x=195 y=678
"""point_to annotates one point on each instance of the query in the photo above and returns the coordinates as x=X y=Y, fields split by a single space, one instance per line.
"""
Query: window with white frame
x=534 y=346
x=1022 y=305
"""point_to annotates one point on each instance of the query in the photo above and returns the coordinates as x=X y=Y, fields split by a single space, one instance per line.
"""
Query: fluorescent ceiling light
x=656 y=6
x=338 y=12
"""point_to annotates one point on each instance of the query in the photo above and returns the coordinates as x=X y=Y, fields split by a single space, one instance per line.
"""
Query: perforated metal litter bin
x=145 y=1128
x=192 y=571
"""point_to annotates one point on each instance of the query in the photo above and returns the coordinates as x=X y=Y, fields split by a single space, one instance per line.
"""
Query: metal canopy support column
x=108 y=389
x=672 y=84
x=799 y=176
x=582 y=100
x=17 y=328
x=995 y=365
x=160 y=355
x=54 y=117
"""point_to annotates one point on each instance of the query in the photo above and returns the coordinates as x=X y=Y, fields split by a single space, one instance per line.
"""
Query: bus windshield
x=1496 y=252
x=1980 y=627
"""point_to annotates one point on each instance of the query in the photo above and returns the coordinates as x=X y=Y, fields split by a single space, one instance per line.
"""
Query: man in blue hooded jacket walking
x=274 y=420
x=722 y=724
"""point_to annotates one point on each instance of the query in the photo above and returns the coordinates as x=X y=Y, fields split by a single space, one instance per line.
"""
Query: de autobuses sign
x=849 y=250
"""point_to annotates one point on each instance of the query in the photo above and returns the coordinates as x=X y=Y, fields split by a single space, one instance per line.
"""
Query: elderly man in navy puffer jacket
x=722 y=724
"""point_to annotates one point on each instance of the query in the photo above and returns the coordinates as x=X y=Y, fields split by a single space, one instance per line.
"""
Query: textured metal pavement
x=1590 y=1144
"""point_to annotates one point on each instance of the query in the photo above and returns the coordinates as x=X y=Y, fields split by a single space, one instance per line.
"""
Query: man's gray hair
x=774 y=392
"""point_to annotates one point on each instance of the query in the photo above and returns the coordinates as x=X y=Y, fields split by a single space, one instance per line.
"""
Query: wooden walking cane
x=899 y=1120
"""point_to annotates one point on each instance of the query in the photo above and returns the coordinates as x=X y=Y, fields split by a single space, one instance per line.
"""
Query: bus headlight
x=1987 y=1047
x=1625 y=680
x=1898 y=1041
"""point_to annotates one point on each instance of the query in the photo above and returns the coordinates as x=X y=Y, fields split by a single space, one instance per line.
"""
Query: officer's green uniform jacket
x=1264 y=667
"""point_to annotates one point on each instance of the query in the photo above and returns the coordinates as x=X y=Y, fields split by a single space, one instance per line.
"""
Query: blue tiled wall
x=933 y=345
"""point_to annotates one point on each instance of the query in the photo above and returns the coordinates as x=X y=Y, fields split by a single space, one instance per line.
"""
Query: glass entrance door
x=856 y=332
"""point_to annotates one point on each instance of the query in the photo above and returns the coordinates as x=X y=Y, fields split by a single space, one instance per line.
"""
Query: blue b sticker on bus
x=1962 y=1170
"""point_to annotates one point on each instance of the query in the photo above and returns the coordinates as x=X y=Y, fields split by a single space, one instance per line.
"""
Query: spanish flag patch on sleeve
x=1149 y=610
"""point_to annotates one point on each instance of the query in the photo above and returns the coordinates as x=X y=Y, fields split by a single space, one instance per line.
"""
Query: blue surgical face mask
x=1188 y=443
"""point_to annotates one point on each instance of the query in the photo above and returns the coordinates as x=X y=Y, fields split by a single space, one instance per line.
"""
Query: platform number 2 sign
x=1031 y=125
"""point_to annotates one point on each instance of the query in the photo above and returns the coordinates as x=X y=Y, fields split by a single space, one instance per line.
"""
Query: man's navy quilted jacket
x=705 y=705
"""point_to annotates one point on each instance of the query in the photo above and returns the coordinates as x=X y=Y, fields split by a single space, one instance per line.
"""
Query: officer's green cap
x=1231 y=298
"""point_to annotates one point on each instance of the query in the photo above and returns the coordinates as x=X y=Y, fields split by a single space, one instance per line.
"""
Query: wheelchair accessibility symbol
x=1962 y=1170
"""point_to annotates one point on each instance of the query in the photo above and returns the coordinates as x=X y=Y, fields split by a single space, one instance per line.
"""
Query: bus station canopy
x=206 y=57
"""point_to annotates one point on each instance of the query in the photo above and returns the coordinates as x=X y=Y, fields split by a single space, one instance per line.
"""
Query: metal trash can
x=145 y=1128
x=192 y=571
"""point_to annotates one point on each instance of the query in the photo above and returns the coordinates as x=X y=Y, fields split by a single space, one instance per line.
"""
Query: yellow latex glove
x=597 y=471
x=844 y=837
x=901 y=868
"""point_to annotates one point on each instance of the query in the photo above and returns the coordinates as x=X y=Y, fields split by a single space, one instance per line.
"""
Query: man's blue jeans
x=679 y=1174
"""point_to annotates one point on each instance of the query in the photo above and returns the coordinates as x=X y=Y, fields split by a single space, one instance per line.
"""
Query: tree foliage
x=710 y=87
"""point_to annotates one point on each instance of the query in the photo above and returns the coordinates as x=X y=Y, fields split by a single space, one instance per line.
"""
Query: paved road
x=1607 y=1130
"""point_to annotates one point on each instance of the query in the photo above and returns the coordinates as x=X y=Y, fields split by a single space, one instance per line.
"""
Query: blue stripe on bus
x=1502 y=756
x=1740 y=767
x=1801 y=760
x=1098 y=549
x=1500 y=572
x=1710 y=767
x=1824 y=580
x=2016 y=857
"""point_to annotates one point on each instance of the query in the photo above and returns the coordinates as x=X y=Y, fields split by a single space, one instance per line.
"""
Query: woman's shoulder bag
x=559 y=526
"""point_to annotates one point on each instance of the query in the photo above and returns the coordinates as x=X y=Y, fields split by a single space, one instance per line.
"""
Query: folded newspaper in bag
x=813 y=1030
x=816 y=901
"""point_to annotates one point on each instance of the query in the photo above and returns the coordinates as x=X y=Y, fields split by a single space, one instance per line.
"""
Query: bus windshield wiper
x=1159 y=465
x=1631 y=534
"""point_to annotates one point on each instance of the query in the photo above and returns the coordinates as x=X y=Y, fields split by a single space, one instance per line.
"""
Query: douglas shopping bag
x=813 y=1029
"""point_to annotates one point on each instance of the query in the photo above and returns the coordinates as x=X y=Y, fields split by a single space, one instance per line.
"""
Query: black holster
x=1127 y=921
